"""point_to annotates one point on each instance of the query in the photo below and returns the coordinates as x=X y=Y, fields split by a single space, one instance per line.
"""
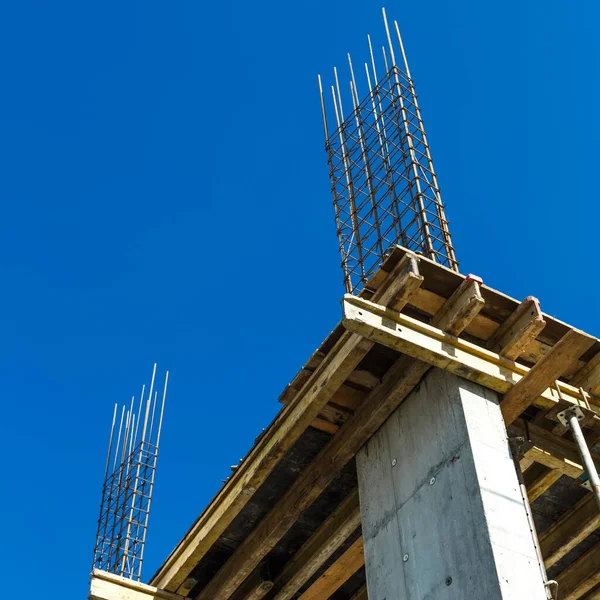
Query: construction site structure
x=129 y=483
x=442 y=441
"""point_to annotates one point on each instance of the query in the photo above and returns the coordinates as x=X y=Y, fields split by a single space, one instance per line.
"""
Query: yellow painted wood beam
x=427 y=343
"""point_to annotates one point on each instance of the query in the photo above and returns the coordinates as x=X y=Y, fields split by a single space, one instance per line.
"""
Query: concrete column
x=442 y=514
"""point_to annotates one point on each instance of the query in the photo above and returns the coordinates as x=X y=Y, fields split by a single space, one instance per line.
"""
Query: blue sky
x=166 y=198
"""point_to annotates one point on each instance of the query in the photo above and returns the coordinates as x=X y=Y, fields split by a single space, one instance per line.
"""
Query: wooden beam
x=557 y=446
x=461 y=308
x=566 y=467
x=256 y=587
x=407 y=281
x=337 y=574
x=571 y=529
x=588 y=377
x=525 y=462
x=427 y=343
x=594 y=594
x=544 y=373
x=396 y=384
x=538 y=479
x=519 y=330
x=361 y=594
x=106 y=586
x=581 y=576
x=332 y=534
x=482 y=326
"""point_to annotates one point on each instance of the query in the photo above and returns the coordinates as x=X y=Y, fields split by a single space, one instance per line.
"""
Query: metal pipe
x=584 y=452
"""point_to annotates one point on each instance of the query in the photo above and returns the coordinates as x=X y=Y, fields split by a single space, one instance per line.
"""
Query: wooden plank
x=525 y=462
x=544 y=373
x=461 y=308
x=519 y=330
x=594 y=594
x=482 y=327
x=588 y=377
x=408 y=281
x=107 y=586
x=323 y=425
x=256 y=587
x=420 y=340
x=566 y=467
x=332 y=534
x=285 y=430
x=361 y=594
x=538 y=479
x=557 y=446
x=439 y=284
x=570 y=530
x=580 y=577
x=396 y=384
x=337 y=574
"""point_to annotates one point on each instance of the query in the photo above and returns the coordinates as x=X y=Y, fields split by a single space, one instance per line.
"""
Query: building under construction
x=440 y=443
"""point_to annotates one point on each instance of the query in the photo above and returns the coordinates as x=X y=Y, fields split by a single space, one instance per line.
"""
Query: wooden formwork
x=286 y=524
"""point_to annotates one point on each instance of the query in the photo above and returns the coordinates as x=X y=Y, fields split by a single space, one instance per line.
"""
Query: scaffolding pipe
x=584 y=452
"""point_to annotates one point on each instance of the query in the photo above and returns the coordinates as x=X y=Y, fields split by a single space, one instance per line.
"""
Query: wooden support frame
x=291 y=422
x=581 y=576
x=332 y=534
x=557 y=447
x=588 y=377
x=361 y=594
x=256 y=587
x=519 y=330
x=544 y=373
x=427 y=343
x=538 y=479
x=571 y=529
x=398 y=382
x=337 y=574
x=504 y=332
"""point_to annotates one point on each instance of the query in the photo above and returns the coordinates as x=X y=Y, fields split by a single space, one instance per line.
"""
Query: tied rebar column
x=128 y=486
x=385 y=190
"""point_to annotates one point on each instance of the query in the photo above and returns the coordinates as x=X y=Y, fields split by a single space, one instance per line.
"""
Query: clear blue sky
x=166 y=198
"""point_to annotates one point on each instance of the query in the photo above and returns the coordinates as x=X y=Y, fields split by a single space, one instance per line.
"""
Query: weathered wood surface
x=106 y=586
x=337 y=574
x=588 y=377
x=538 y=479
x=442 y=514
x=404 y=375
x=505 y=326
x=519 y=330
x=581 y=576
x=427 y=343
x=557 y=447
x=361 y=594
x=571 y=529
x=330 y=536
x=256 y=587
x=252 y=472
x=544 y=373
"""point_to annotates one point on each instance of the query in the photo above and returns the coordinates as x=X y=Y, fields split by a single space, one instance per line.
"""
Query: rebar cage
x=128 y=485
x=126 y=496
x=385 y=190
